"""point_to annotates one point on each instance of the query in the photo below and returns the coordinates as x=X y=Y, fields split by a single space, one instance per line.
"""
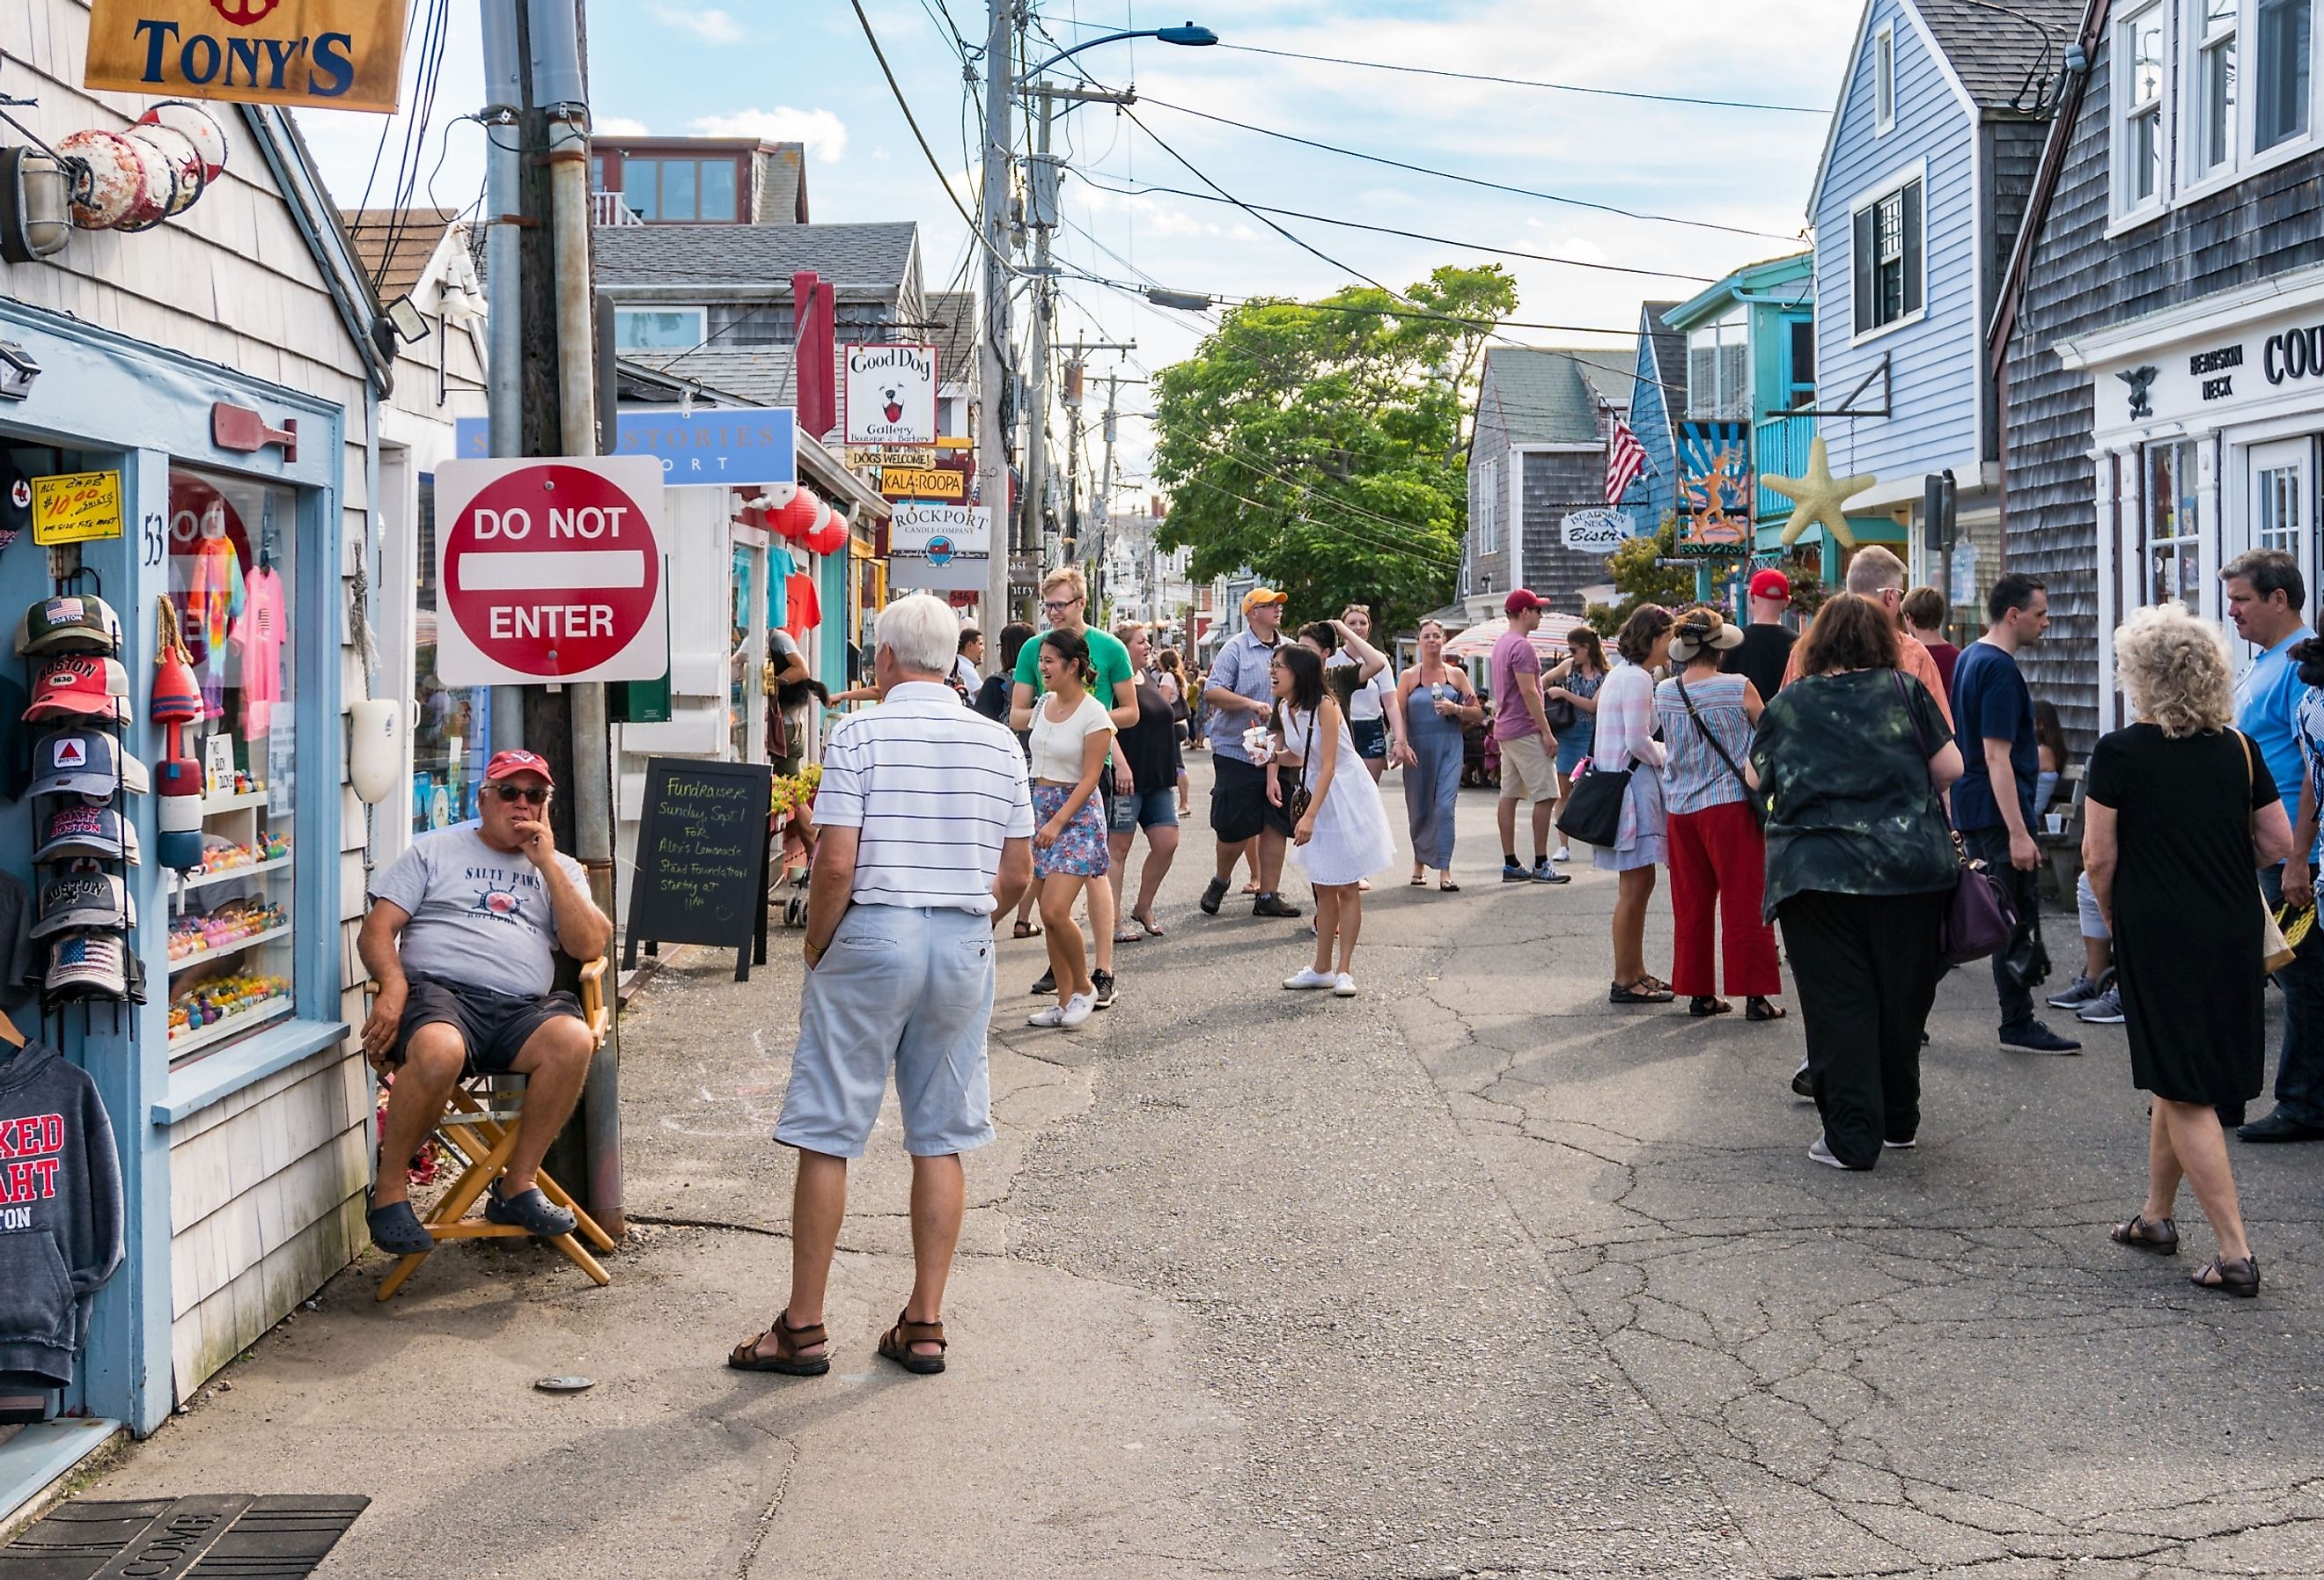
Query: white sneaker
x=1563 y=855
x=1054 y=1015
x=1822 y=1153
x=1305 y=977
x=1077 y=1009
x=1343 y=986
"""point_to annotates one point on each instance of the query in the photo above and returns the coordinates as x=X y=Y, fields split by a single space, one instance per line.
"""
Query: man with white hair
x=925 y=822
x=1877 y=574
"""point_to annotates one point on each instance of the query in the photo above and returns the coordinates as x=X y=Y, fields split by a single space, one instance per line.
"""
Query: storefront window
x=451 y=736
x=2174 y=547
x=232 y=548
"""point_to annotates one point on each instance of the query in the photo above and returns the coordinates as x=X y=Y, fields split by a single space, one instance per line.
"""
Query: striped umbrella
x=1548 y=638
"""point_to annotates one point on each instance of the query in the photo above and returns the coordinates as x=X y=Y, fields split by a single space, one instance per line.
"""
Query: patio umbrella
x=1548 y=638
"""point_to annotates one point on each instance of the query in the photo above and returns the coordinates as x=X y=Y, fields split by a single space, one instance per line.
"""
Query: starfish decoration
x=1818 y=497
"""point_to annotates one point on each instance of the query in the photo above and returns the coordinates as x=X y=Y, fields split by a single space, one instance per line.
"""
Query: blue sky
x=784 y=69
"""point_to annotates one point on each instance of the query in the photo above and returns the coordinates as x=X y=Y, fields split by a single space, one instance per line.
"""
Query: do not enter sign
x=549 y=570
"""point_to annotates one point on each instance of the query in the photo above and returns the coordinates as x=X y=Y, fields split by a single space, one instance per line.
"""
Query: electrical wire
x=1148 y=98
x=1667 y=98
x=881 y=55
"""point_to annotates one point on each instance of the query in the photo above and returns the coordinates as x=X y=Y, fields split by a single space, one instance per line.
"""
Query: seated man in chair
x=462 y=940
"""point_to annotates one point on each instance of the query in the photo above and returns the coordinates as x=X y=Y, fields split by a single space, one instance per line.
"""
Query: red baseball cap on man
x=1771 y=584
x=505 y=763
x=1521 y=599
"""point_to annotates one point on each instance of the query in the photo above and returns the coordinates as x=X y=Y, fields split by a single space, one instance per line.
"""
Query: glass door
x=2283 y=501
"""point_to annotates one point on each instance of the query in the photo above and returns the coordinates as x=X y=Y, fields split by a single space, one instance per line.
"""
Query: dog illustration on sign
x=894 y=409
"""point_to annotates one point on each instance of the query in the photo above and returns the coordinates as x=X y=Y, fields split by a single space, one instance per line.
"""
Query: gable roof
x=293 y=164
x=863 y=261
x=1767 y=274
x=1669 y=347
x=396 y=246
x=955 y=314
x=1545 y=395
x=2003 y=61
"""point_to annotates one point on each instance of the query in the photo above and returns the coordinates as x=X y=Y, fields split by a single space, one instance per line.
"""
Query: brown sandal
x=788 y=1342
x=2159 y=1235
x=896 y=1344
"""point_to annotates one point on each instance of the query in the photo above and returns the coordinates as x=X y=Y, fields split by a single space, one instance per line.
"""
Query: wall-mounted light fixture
x=35 y=204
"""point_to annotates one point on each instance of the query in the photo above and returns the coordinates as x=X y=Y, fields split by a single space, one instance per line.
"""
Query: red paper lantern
x=795 y=520
x=830 y=539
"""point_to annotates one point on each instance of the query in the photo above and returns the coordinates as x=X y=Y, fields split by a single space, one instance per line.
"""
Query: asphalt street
x=1470 y=1275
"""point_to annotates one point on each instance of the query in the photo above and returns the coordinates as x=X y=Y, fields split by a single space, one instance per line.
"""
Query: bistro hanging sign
x=328 y=54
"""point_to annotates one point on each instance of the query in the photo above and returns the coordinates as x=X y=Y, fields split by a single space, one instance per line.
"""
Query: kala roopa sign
x=326 y=54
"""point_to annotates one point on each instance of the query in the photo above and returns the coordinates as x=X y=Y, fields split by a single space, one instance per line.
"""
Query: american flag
x=1625 y=457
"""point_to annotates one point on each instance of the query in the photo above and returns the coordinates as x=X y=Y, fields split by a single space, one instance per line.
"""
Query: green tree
x=1636 y=574
x=1322 y=445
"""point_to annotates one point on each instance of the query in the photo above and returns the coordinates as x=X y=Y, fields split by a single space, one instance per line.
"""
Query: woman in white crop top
x=1072 y=734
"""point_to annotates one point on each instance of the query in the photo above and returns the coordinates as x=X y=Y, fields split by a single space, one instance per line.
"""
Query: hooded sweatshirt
x=61 y=1210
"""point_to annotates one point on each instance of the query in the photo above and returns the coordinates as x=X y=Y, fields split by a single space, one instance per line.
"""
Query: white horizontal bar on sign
x=548 y=570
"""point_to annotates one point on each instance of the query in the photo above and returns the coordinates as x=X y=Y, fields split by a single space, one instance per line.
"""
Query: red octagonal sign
x=549 y=570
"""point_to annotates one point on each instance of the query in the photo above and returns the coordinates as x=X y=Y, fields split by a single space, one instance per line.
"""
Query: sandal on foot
x=1645 y=991
x=1419 y=882
x=2159 y=1235
x=788 y=1342
x=1026 y=929
x=1127 y=935
x=1153 y=927
x=1449 y=887
x=1251 y=887
x=896 y=1344
x=1756 y=1008
x=1703 y=1004
x=2238 y=1277
x=1650 y=982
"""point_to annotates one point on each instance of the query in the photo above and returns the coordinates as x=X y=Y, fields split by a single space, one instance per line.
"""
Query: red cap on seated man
x=461 y=938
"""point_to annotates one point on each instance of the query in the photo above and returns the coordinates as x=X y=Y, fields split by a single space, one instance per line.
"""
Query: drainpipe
x=503 y=282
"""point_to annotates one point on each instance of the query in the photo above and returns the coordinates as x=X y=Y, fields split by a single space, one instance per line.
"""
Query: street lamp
x=1186 y=33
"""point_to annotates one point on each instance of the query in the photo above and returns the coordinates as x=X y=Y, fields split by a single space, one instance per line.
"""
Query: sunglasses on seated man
x=533 y=795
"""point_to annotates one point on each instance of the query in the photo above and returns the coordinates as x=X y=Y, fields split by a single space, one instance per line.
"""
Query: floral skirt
x=1080 y=851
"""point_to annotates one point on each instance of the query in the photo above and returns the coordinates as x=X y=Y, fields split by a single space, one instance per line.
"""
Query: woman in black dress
x=2180 y=813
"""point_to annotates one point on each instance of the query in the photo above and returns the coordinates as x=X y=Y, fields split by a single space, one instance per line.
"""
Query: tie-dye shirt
x=1852 y=809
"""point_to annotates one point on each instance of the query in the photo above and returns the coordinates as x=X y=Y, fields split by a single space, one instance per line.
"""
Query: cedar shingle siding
x=2078 y=281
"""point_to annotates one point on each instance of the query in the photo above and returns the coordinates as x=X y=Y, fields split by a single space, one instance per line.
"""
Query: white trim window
x=1485 y=507
x=2139 y=143
x=660 y=329
x=1718 y=368
x=1884 y=80
x=2283 y=81
x=2174 y=526
x=2211 y=139
x=1889 y=258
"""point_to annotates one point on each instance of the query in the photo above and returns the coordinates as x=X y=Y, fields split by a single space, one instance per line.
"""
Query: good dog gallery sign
x=891 y=395
x=333 y=54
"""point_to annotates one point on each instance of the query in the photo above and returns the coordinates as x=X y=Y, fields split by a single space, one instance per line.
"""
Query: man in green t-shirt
x=1065 y=599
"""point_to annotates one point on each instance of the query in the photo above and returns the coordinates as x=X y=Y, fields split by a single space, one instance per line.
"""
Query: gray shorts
x=2093 y=925
x=907 y=989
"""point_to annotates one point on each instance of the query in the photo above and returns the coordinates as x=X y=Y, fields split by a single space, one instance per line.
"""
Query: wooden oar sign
x=325 y=54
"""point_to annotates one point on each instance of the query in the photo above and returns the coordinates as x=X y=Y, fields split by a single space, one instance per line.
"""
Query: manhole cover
x=222 y=1535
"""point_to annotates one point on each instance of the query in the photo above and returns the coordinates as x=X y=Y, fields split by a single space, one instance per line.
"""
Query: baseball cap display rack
x=77 y=954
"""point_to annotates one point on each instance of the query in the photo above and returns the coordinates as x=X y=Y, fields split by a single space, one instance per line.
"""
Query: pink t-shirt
x=259 y=634
x=1513 y=655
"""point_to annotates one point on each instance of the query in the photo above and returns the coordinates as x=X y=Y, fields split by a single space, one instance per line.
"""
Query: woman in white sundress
x=1343 y=837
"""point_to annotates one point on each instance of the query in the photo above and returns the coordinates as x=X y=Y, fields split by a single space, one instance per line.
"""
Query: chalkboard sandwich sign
x=702 y=859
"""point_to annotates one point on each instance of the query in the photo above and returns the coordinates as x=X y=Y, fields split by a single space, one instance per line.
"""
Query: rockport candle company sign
x=331 y=54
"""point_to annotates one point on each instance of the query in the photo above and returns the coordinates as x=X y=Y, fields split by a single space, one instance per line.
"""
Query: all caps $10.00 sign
x=549 y=570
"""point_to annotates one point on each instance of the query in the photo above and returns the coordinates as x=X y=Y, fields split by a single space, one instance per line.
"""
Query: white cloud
x=618 y=126
x=825 y=133
x=711 y=27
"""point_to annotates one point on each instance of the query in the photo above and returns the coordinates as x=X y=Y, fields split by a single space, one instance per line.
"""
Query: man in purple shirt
x=1528 y=750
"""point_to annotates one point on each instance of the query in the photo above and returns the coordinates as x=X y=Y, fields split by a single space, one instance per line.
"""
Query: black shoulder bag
x=1758 y=808
x=1299 y=797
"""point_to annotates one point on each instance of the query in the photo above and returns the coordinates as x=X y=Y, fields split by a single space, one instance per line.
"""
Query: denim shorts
x=1154 y=808
x=1371 y=737
x=907 y=989
x=493 y=1027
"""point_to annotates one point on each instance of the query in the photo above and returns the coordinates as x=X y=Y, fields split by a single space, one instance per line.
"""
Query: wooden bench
x=480 y=1126
x=2061 y=852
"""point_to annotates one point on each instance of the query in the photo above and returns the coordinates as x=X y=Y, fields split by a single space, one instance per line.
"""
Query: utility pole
x=991 y=427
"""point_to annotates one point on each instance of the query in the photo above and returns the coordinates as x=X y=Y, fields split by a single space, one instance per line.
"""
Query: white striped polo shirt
x=934 y=789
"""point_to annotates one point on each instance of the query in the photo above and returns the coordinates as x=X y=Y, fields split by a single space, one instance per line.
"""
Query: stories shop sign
x=329 y=54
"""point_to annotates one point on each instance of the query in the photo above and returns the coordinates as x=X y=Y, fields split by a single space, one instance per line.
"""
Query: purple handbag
x=1978 y=918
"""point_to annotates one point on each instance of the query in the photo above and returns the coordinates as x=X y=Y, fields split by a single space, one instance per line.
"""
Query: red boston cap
x=1521 y=599
x=1771 y=584
x=505 y=763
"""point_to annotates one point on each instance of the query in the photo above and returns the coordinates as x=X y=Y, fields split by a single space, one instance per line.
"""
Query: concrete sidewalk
x=1470 y=1275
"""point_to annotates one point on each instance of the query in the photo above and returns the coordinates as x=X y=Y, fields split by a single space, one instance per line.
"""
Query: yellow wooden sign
x=75 y=507
x=913 y=483
x=860 y=456
x=328 y=54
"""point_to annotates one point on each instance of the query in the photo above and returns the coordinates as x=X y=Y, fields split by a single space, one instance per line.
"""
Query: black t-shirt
x=1150 y=746
x=2183 y=829
x=1760 y=658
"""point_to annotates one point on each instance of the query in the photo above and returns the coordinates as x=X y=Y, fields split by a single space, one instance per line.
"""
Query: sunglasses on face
x=533 y=795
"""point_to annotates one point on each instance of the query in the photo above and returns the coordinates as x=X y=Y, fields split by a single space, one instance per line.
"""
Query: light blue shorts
x=907 y=989
x=2093 y=924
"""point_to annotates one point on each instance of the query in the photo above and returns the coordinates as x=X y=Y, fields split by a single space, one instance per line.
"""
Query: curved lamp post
x=1186 y=33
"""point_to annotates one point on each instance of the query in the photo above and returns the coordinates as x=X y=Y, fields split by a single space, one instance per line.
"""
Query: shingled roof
x=859 y=260
x=415 y=232
x=1992 y=54
x=1540 y=395
x=956 y=340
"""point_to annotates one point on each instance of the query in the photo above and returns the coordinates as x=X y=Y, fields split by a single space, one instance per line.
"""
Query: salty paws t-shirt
x=479 y=916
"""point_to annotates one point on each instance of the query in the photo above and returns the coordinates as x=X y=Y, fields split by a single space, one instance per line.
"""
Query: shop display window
x=2174 y=527
x=451 y=734
x=232 y=547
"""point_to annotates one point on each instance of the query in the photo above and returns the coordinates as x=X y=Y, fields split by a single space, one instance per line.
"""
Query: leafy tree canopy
x=1633 y=569
x=1320 y=445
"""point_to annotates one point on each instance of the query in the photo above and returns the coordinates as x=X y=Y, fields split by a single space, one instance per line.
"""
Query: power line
x=919 y=137
x=1455 y=176
x=1418 y=235
x=1667 y=98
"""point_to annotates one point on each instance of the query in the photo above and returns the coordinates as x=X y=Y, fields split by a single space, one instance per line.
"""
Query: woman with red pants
x=1718 y=858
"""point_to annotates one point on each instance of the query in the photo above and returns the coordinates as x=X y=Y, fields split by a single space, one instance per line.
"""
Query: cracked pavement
x=1472 y=1275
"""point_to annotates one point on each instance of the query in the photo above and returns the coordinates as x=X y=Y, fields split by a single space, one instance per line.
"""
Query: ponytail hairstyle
x=1072 y=647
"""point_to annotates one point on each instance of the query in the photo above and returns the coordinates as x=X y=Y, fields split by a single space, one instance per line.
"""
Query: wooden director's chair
x=482 y=1136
